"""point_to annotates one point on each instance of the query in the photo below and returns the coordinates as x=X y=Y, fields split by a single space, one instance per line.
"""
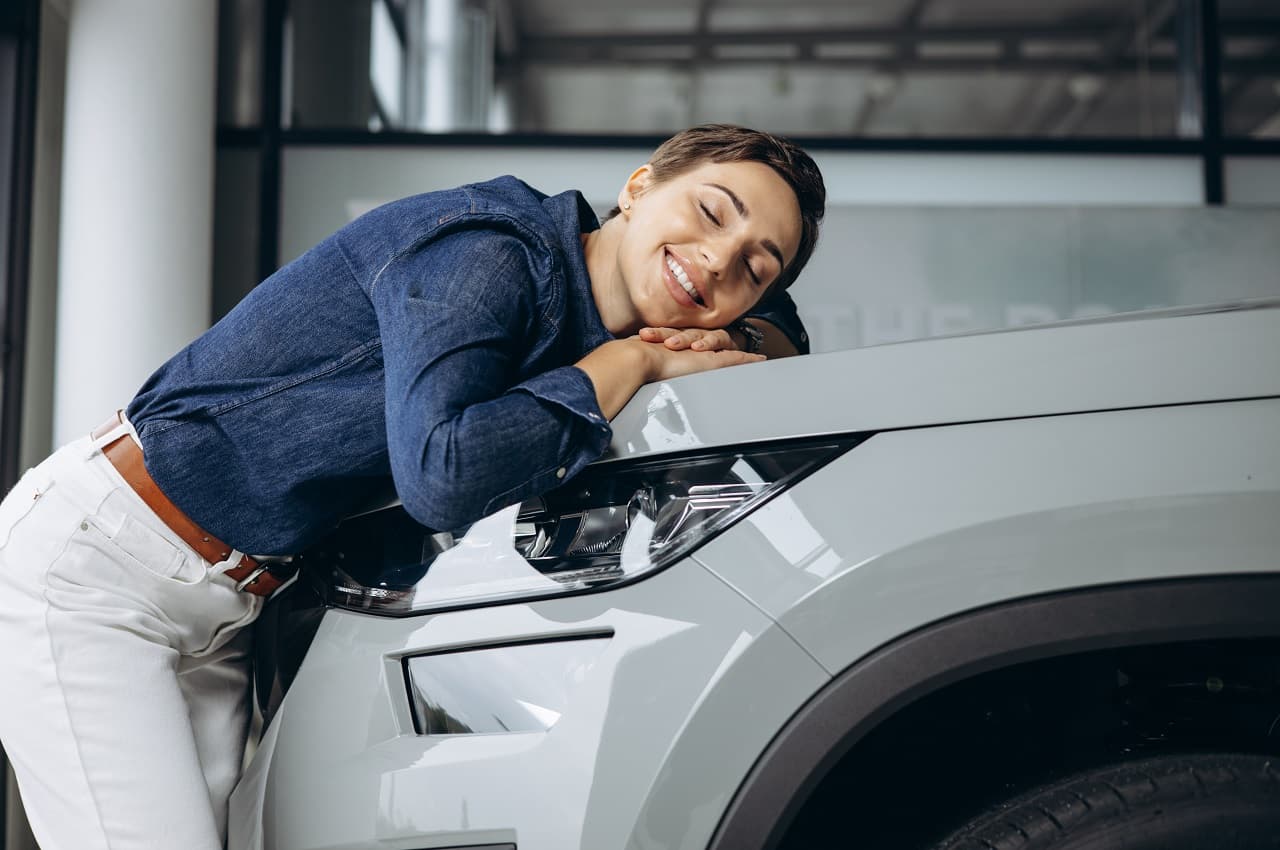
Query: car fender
x=915 y=526
x=867 y=693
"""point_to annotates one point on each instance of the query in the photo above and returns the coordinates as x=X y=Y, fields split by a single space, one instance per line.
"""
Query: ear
x=640 y=180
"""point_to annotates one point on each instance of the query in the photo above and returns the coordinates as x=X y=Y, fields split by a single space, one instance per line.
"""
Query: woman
x=470 y=345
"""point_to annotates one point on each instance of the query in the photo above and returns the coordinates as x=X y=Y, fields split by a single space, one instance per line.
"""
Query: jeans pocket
x=150 y=550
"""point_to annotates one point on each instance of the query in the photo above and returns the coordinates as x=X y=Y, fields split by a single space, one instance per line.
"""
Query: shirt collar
x=573 y=217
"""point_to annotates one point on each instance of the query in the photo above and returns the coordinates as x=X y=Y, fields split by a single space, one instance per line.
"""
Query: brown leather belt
x=126 y=456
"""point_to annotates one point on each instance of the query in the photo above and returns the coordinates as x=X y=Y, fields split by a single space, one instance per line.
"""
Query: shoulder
x=509 y=199
x=475 y=242
x=504 y=204
x=503 y=215
x=506 y=224
x=467 y=259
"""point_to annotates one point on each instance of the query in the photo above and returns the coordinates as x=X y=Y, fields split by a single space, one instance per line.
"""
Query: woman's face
x=701 y=248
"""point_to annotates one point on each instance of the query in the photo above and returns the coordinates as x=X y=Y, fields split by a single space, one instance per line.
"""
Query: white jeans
x=123 y=685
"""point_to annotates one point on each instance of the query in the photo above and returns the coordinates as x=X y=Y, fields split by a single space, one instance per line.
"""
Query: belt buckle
x=251 y=577
x=264 y=566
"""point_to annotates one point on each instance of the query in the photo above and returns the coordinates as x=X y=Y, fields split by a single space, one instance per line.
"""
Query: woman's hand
x=621 y=366
x=677 y=354
x=775 y=344
x=694 y=339
x=684 y=351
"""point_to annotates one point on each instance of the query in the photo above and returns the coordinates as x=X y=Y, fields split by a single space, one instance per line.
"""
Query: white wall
x=913 y=245
x=324 y=186
x=883 y=274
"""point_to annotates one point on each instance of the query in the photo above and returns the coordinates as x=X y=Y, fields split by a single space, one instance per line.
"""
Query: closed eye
x=707 y=212
x=751 y=271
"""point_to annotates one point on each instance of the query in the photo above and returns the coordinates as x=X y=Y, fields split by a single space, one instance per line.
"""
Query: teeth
x=683 y=279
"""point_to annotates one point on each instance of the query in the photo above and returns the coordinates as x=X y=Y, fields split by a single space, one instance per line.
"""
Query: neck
x=607 y=289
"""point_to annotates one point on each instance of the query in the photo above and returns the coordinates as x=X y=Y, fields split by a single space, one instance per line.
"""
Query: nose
x=717 y=255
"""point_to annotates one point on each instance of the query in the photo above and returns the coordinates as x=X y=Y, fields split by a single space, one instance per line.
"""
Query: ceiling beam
x=882 y=87
x=893 y=35
x=883 y=47
x=1022 y=64
x=1071 y=110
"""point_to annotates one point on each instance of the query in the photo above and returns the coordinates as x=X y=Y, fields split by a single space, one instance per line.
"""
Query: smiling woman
x=691 y=253
x=465 y=347
x=725 y=143
x=693 y=209
x=719 y=217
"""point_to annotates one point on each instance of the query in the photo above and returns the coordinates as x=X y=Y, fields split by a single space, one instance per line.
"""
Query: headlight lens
x=611 y=524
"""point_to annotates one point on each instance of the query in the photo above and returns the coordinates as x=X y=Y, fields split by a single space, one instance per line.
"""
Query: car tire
x=1183 y=802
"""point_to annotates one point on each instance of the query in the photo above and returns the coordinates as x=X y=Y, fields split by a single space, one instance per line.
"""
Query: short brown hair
x=731 y=143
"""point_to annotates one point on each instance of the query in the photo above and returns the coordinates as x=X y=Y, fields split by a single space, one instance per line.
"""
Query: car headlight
x=613 y=523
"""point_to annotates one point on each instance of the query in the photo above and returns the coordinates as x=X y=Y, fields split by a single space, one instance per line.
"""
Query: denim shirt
x=430 y=343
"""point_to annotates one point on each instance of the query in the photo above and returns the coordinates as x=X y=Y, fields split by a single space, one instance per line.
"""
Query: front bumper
x=649 y=748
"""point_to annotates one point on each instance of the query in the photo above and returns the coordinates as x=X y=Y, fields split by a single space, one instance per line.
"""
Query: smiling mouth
x=678 y=272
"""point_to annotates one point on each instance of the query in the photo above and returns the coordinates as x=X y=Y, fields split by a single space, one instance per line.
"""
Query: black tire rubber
x=1183 y=802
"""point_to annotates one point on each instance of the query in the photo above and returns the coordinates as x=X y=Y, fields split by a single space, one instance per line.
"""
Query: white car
x=1005 y=590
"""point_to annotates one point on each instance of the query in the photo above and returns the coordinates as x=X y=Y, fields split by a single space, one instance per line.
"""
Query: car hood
x=1130 y=360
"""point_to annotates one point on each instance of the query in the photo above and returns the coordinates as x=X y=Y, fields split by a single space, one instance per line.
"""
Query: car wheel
x=1183 y=802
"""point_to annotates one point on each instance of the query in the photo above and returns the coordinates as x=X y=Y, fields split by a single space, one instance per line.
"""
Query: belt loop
x=133 y=432
x=233 y=559
x=101 y=438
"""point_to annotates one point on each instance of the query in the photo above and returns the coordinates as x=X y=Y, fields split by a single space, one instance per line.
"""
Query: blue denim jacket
x=428 y=343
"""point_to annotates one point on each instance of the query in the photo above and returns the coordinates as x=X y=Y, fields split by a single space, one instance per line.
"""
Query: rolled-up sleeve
x=779 y=310
x=467 y=434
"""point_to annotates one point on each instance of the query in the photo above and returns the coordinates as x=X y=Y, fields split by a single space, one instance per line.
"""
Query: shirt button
x=804 y=337
x=560 y=473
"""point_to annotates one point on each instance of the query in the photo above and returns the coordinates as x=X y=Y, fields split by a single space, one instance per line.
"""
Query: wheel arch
x=876 y=687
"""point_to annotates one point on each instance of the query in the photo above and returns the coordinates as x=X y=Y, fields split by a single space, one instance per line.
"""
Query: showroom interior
x=988 y=163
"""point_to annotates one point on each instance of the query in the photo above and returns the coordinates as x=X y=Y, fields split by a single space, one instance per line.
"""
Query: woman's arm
x=465 y=434
x=618 y=368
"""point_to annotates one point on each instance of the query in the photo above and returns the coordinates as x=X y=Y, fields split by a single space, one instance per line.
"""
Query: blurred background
x=989 y=163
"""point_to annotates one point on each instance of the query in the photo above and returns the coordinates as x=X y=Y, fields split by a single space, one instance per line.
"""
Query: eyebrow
x=769 y=244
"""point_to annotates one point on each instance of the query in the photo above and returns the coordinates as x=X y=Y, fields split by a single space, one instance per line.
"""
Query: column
x=135 y=245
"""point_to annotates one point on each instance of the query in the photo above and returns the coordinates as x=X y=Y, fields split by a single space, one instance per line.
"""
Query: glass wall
x=237 y=227
x=19 y=38
x=988 y=161
x=1250 y=37
x=875 y=68
x=1253 y=181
